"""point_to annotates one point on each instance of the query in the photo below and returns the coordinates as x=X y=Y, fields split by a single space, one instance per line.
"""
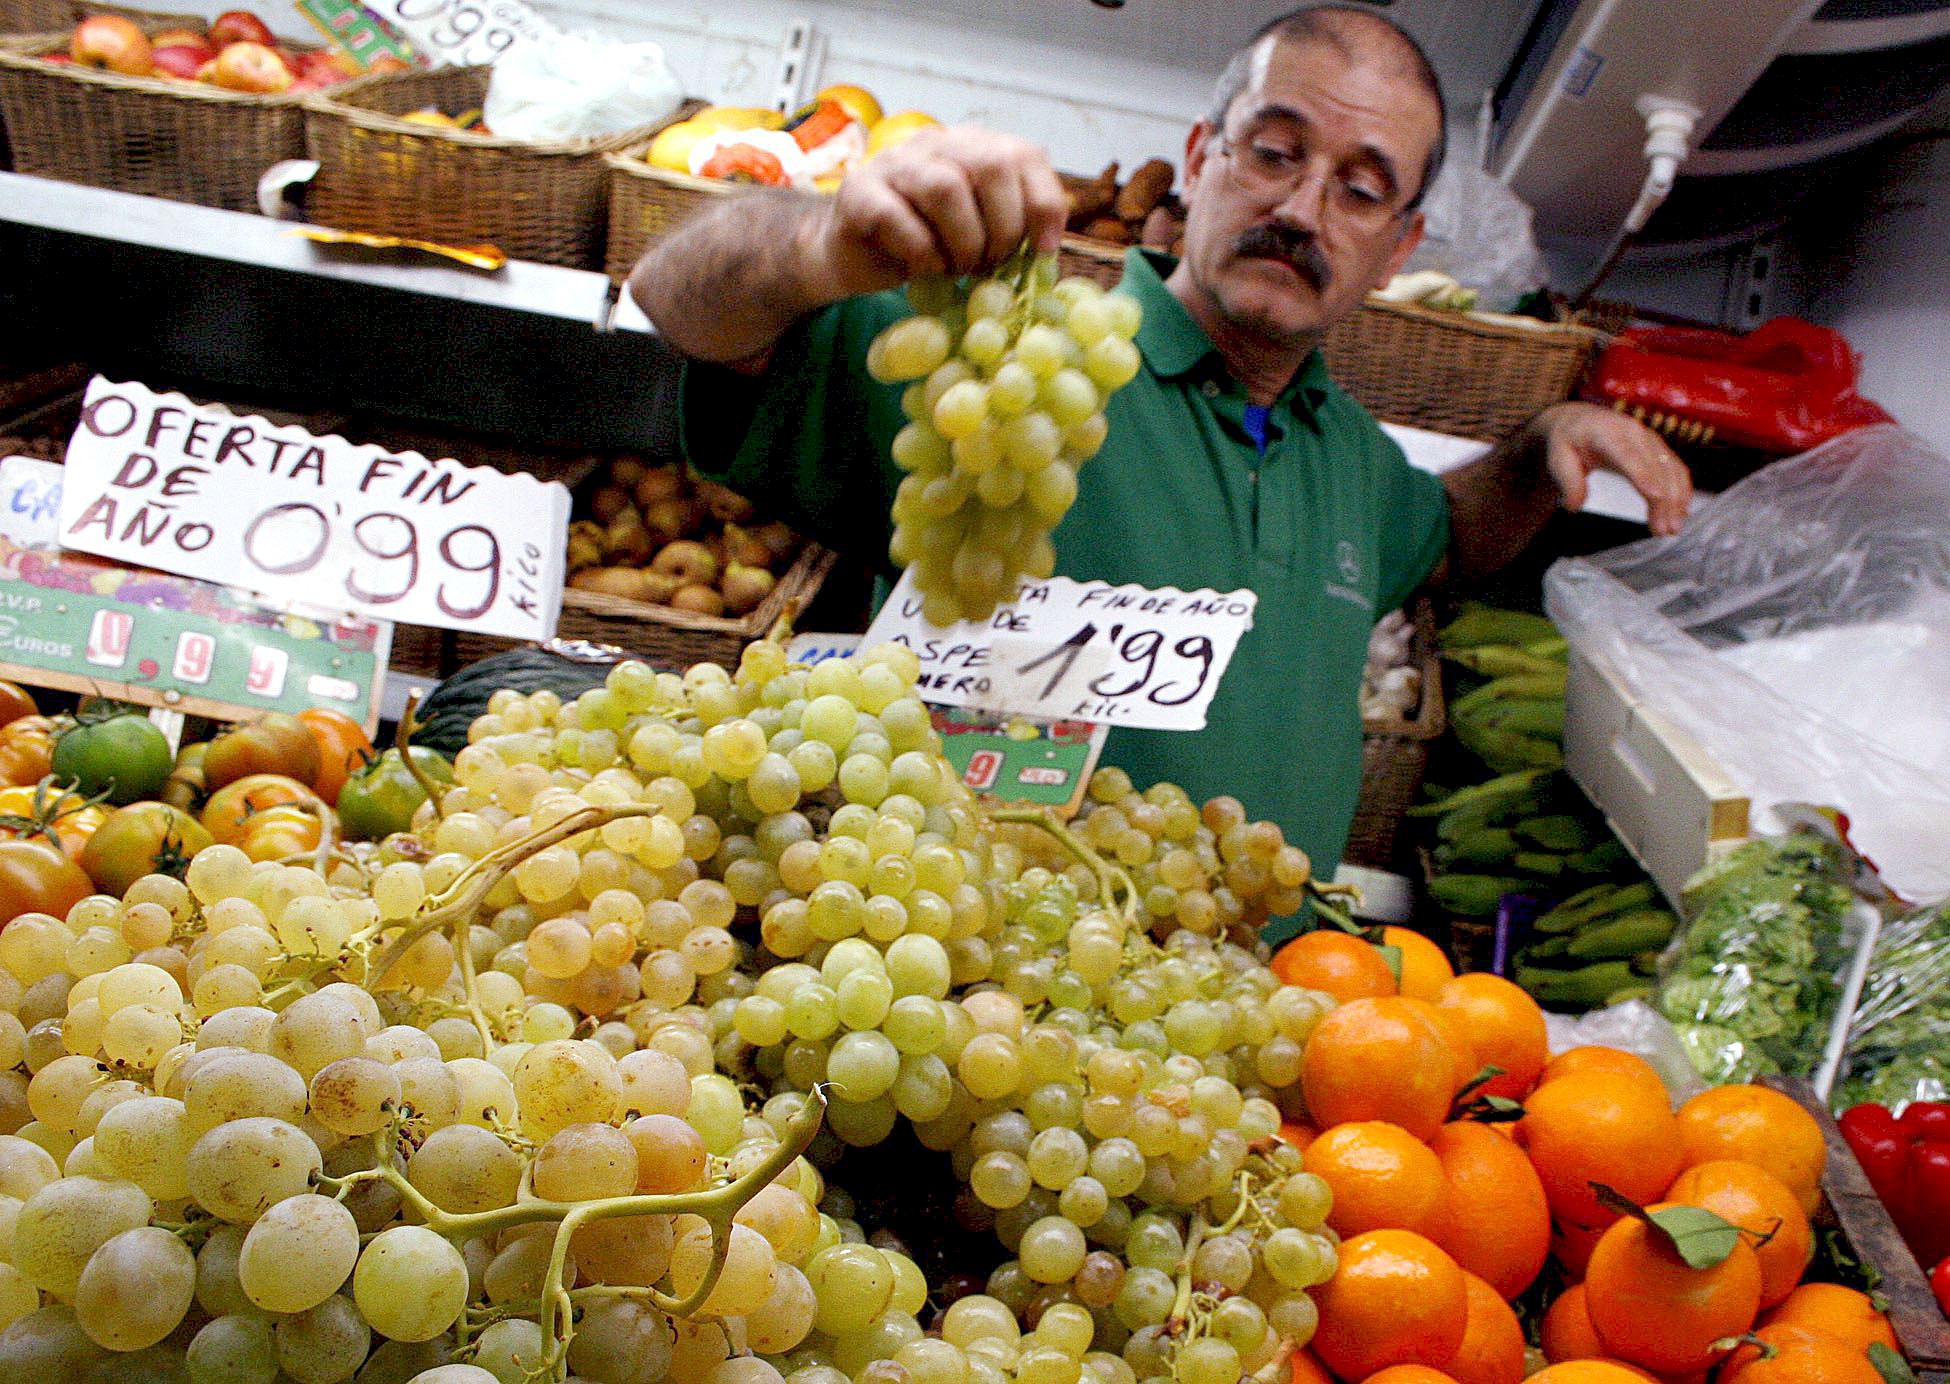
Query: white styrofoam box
x=1662 y=794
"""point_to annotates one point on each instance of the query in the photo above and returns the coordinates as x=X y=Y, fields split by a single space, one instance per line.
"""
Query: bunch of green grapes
x=1007 y=378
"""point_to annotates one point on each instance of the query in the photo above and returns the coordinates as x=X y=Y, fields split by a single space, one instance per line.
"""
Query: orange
x=1462 y=1050
x=1304 y=1369
x=1301 y=1136
x=1652 y=1308
x=1338 y=962
x=1566 y=1332
x=1571 y=1244
x=1394 y=1299
x=1383 y=1178
x=1590 y=1372
x=857 y=101
x=1597 y=1058
x=1800 y=1356
x=1756 y=1201
x=1409 y=1374
x=1505 y=1027
x=1492 y=1347
x=1498 y=1225
x=1425 y=969
x=1598 y=1127
x=1833 y=1310
x=1760 y=1126
x=1377 y=1059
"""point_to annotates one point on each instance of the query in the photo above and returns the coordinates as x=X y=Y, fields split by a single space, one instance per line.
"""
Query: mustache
x=1296 y=249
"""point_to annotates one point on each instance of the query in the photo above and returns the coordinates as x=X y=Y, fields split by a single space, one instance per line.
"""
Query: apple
x=195 y=38
x=239 y=26
x=180 y=60
x=112 y=42
x=249 y=66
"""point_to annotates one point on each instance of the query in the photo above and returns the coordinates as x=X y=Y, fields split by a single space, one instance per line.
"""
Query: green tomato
x=381 y=798
x=124 y=755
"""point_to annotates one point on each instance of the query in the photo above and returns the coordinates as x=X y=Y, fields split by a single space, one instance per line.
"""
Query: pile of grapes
x=565 y=1082
x=1007 y=378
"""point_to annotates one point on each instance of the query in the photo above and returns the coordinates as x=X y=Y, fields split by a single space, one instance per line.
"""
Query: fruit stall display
x=166 y=106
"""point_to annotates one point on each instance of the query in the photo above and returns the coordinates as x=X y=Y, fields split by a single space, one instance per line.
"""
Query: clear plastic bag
x=1799 y=630
x=573 y=86
x=1478 y=232
x=1635 y=1027
x=1899 y=1039
x=1754 y=979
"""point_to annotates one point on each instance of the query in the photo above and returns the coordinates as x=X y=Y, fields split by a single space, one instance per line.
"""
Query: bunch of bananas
x=1599 y=946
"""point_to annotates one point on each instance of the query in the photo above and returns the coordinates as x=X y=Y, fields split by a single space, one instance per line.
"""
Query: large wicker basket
x=661 y=635
x=378 y=172
x=187 y=141
x=1394 y=757
x=1453 y=372
x=48 y=16
x=646 y=204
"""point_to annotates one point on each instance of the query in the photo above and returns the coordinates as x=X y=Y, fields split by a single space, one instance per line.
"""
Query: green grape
x=912 y=348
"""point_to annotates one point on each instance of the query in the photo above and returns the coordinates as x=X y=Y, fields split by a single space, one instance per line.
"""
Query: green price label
x=1021 y=759
x=160 y=640
x=354 y=28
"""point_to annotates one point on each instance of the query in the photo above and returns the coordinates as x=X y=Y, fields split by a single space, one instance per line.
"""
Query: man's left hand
x=1581 y=438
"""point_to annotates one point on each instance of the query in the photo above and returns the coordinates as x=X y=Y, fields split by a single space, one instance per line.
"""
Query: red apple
x=180 y=60
x=320 y=69
x=195 y=38
x=110 y=41
x=238 y=26
x=62 y=58
x=249 y=67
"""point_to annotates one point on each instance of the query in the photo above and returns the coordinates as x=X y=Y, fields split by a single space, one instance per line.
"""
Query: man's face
x=1294 y=208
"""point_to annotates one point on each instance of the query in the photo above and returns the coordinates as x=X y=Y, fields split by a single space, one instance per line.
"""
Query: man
x=1232 y=461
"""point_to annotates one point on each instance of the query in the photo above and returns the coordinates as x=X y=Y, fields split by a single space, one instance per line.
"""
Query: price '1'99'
x=454 y=23
x=291 y=539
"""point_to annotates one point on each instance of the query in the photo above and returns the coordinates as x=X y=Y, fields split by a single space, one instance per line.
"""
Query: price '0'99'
x=293 y=538
x=459 y=23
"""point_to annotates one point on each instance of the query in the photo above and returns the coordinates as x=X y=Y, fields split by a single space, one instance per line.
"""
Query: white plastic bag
x=573 y=86
x=1478 y=232
x=1799 y=629
x=1637 y=1028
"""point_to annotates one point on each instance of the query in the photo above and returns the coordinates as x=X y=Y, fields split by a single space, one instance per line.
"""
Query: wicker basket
x=1453 y=372
x=1092 y=259
x=48 y=16
x=187 y=141
x=377 y=172
x=1394 y=756
x=646 y=204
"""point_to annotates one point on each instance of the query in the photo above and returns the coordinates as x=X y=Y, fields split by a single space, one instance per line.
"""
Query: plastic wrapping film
x=1753 y=981
x=1636 y=1027
x=1899 y=1038
x=1799 y=630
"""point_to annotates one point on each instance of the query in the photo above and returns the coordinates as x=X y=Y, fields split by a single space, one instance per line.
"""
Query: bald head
x=1358 y=36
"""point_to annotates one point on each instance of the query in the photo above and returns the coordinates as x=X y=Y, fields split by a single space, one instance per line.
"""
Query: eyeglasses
x=1261 y=168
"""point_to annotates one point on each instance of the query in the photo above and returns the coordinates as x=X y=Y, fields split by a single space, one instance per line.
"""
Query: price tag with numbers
x=464 y=32
x=1070 y=650
x=156 y=480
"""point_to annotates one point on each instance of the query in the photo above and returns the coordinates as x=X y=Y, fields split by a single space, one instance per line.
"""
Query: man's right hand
x=952 y=200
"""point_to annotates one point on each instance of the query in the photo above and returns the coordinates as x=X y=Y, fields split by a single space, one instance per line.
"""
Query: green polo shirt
x=1331 y=527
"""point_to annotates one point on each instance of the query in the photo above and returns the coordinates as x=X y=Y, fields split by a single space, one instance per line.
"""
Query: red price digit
x=267 y=670
x=194 y=654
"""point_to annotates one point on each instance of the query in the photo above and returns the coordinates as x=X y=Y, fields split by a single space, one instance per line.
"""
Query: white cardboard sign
x=463 y=32
x=158 y=481
x=30 y=499
x=1070 y=650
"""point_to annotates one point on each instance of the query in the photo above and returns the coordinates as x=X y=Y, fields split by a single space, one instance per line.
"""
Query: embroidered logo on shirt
x=1347 y=562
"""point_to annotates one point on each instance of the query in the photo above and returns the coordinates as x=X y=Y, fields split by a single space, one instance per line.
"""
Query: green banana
x=1479 y=846
x=1604 y=858
x=1505 y=750
x=1486 y=624
x=1646 y=963
x=1503 y=788
x=1557 y=832
x=1596 y=902
x=1499 y=660
x=1539 y=716
x=1473 y=896
x=1547 y=948
x=1529 y=686
x=1623 y=934
x=1542 y=864
x=1588 y=986
x=1557 y=648
x=1629 y=992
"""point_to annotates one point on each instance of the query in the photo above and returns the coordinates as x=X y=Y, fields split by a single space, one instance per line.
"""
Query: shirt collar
x=1173 y=344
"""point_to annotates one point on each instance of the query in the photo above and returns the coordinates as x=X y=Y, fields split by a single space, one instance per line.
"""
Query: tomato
x=124 y=755
x=15 y=703
x=46 y=812
x=342 y=748
x=36 y=878
x=26 y=750
x=275 y=743
x=224 y=815
x=186 y=786
x=382 y=798
x=276 y=832
x=142 y=839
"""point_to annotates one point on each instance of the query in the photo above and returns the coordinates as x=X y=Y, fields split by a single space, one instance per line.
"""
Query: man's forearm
x=1498 y=503
x=728 y=284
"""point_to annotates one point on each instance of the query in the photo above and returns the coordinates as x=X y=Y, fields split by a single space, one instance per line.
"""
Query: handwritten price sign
x=157 y=480
x=1068 y=650
x=464 y=32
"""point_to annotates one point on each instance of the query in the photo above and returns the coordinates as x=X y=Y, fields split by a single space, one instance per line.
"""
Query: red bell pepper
x=1907 y=1161
x=1927 y=1121
x=1940 y=1285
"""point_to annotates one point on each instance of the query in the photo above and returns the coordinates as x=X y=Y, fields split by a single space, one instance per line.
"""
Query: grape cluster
x=1006 y=378
x=475 y=1102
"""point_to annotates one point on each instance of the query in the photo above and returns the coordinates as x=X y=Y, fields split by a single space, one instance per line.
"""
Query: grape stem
x=410 y=725
x=716 y=1206
x=1109 y=877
